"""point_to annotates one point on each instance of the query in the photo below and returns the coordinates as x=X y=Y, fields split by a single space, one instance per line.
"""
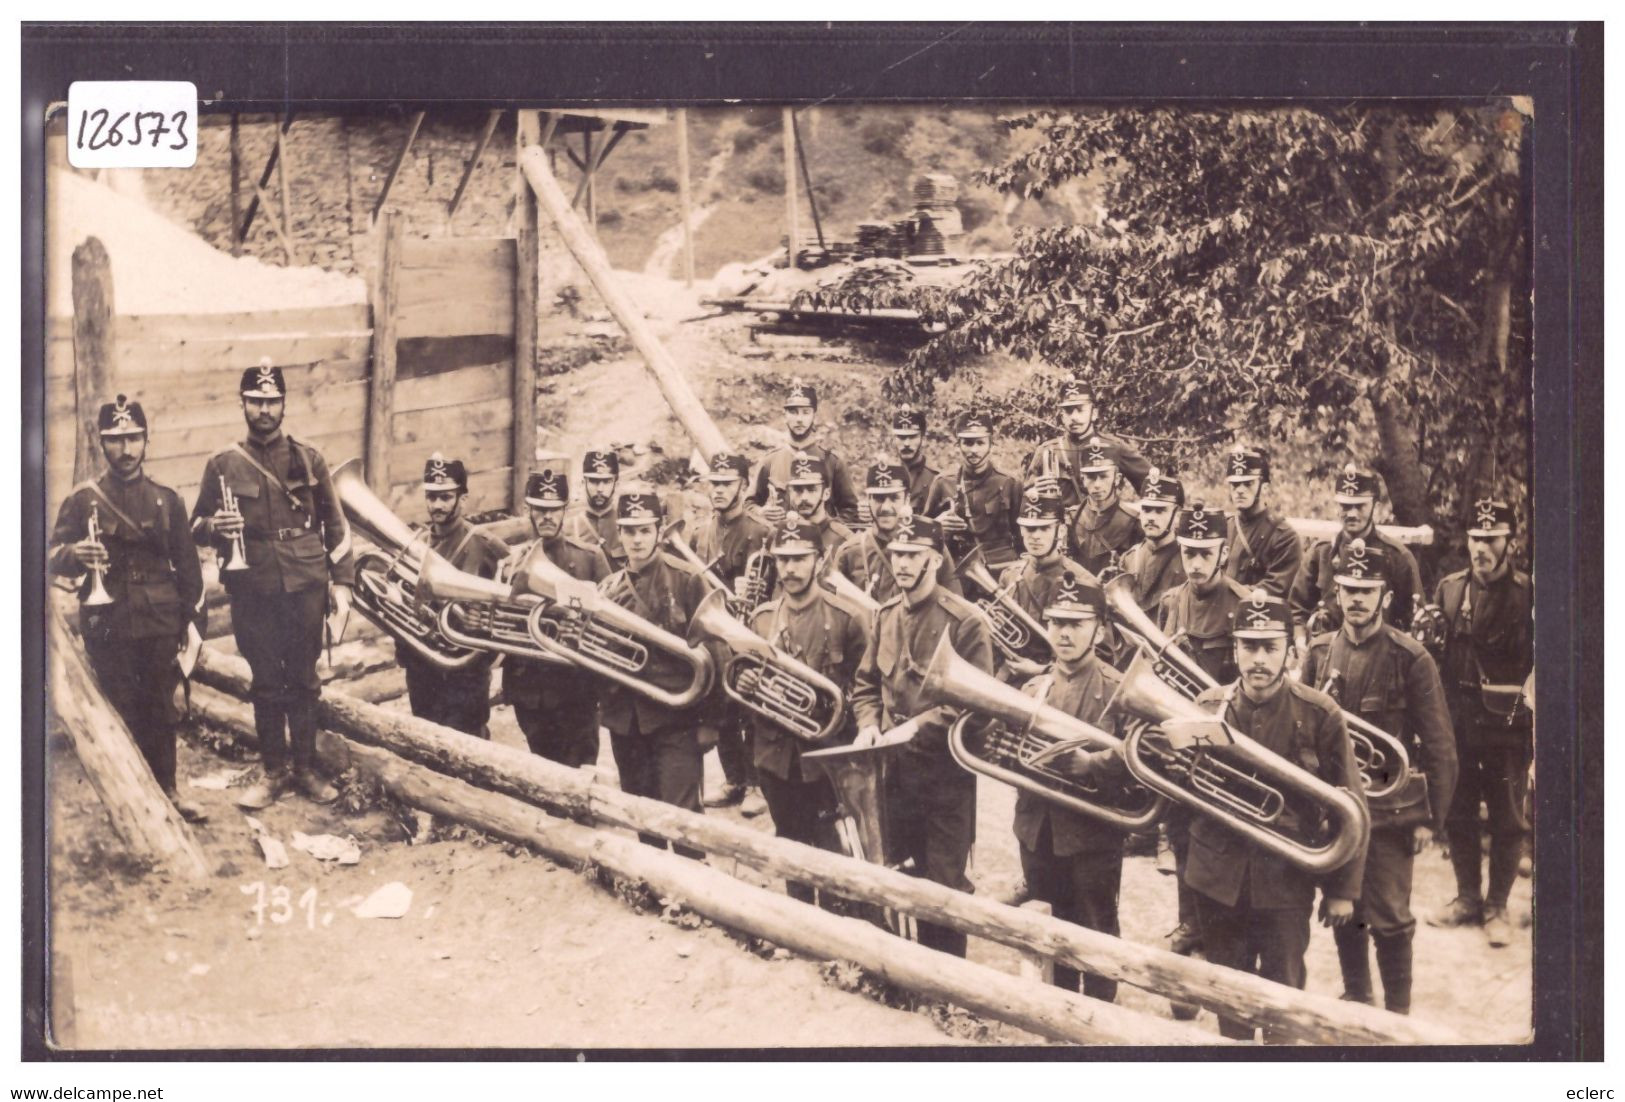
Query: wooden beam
x=1316 y=529
x=806 y=179
x=283 y=192
x=236 y=185
x=93 y=350
x=590 y=255
x=684 y=198
x=141 y=813
x=588 y=164
x=1047 y=1011
x=265 y=181
x=276 y=226
x=400 y=159
x=792 y=232
x=491 y=120
x=381 y=383
x=550 y=123
x=1294 y=1014
x=526 y=301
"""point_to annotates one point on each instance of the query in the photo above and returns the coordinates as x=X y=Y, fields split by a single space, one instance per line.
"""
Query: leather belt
x=140 y=577
x=277 y=535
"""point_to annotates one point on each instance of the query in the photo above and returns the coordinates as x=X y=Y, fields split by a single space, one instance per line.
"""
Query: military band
x=984 y=500
x=1055 y=468
x=595 y=523
x=1034 y=580
x=1154 y=564
x=862 y=558
x=1262 y=549
x=773 y=475
x=1314 y=591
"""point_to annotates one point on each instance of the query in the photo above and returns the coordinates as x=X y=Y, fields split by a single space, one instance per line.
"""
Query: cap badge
x=1486 y=513
x=1238 y=463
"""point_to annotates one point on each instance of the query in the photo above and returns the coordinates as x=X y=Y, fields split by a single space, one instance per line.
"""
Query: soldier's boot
x=1460 y=911
x=1354 y=958
x=1394 y=965
x=302 y=734
x=275 y=785
x=188 y=810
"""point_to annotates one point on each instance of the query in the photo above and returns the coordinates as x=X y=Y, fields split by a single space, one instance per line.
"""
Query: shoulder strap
x=111 y=508
x=1241 y=534
x=270 y=475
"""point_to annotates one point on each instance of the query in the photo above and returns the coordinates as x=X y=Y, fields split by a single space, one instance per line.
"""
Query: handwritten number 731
x=103 y=136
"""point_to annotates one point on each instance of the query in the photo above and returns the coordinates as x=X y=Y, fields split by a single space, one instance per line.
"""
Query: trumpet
x=237 y=554
x=575 y=623
x=1016 y=633
x=760 y=576
x=1025 y=739
x=1384 y=764
x=767 y=681
x=1238 y=782
x=98 y=594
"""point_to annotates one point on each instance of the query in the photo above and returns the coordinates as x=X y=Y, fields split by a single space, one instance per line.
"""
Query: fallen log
x=142 y=815
x=1314 y=528
x=1047 y=1011
x=1287 y=1011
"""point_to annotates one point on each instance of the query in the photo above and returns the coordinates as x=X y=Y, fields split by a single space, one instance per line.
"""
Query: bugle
x=1383 y=761
x=236 y=552
x=98 y=594
x=1016 y=632
x=764 y=679
x=1026 y=741
x=1240 y=784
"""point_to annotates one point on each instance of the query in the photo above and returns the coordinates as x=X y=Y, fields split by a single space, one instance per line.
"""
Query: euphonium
x=481 y=613
x=388 y=582
x=98 y=594
x=790 y=693
x=576 y=623
x=1025 y=738
x=1016 y=633
x=1384 y=764
x=842 y=586
x=1242 y=785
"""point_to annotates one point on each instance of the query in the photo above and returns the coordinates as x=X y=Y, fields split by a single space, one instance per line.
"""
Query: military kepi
x=1036 y=512
x=547 y=488
x=1098 y=455
x=916 y=534
x=1355 y=486
x=1261 y=616
x=121 y=417
x=1159 y=487
x=907 y=420
x=806 y=470
x=1200 y=526
x=1247 y=463
x=1076 y=598
x=1076 y=392
x=728 y=467
x=800 y=394
x=974 y=426
x=599 y=463
x=638 y=507
x=441 y=475
x=1491 y=518
x=1360 y=564
x=794 y=537
x=885 y=476
x=264 y=381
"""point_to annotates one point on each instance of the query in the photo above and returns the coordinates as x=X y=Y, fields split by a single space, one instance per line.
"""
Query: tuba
x=1025 y=741
x=1383 y=761
x=787 y=692
x=389 y=588
x=482 y=614
x=1241 y=785
x=1016 y=633
x=575 y=623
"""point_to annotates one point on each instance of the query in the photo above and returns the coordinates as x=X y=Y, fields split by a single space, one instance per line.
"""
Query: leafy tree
x=1347 y=275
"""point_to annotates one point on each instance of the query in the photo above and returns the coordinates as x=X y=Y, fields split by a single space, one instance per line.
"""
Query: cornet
x=236 y=553
x=98 y=594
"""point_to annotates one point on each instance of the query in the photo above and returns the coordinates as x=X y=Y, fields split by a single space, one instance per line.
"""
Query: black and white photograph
x=822 y=575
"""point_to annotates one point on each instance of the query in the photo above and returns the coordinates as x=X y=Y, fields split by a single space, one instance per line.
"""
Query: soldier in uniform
x=1105 y=527
x=814 y=627
x=298 y=546
x=1072 y=861
x=1385 y=677
x=1063 y=455
x=1154 y=563
x=658 y=749
x=149 y=569
x=1314 y=592
x=800 y=413
x=984 y=501
x=595 y=524
x=727 y=541
x=928 y=492
x=1034 y=579
x=555 y=705
x=1254 y=907
x=863 y=558
x=932 y=800
x=459 y=699
x=808 y=489
x=1264 y=549
x=1489 y=652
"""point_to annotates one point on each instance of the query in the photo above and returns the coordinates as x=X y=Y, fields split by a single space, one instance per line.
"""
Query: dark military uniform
x=1101 y=535
x=1265 y=551
x=1069 y=455
x=831 y=534
x=1489 y=641
x=156 y=585
x=829 y=638
x=297 y=541
x=1315 y=590
x=1034 y=584
x=1204 y=620
x=1254 y=908
x=775 y=471
x=928 y=490
x=994 y=501
x=556 y=706
x=1155 y=570
x=459 y=699
x=865 y=563
x=1390 y=681
x=598 y=530
x=1071 y=861
x=932 y=800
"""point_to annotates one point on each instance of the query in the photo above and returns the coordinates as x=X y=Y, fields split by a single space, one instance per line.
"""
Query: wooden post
x=265 y=181
x=141 y=814
x=1037 y=966
x=283 y=193
x=684 y=199
x=793 y=234
x=400 y=159
x=1047 y=1011
x=590 y=255
x=527 y=295
x=381 y=382
x=93 y=368
x=585 y=186
x=236 y=185
x=1294 y=1014
x=491 y=120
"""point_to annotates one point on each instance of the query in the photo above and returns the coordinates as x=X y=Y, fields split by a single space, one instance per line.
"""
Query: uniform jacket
x=886 y=691
x=1069 y=456
x=866 y=566
x=1100 y=534
x=831 y=534
x=775 y=471
x=1490 y=636
x=1083 y=695
x=1155 y=571
x=153 y=574
x=824 y=635
x=665 y=592
x=1033 y=584
x=469 y=549
x=928 y=492
x=1390 y=681
x=532 y=684
x=1205 y=620
x=727 y=543
x=1264 y=551
x=995 y=501
x=601 y=530
x=1316 y=585
x=295 y=534
x=1305 y=727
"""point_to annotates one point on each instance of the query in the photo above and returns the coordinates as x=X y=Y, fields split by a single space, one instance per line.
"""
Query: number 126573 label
x=132 y=124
